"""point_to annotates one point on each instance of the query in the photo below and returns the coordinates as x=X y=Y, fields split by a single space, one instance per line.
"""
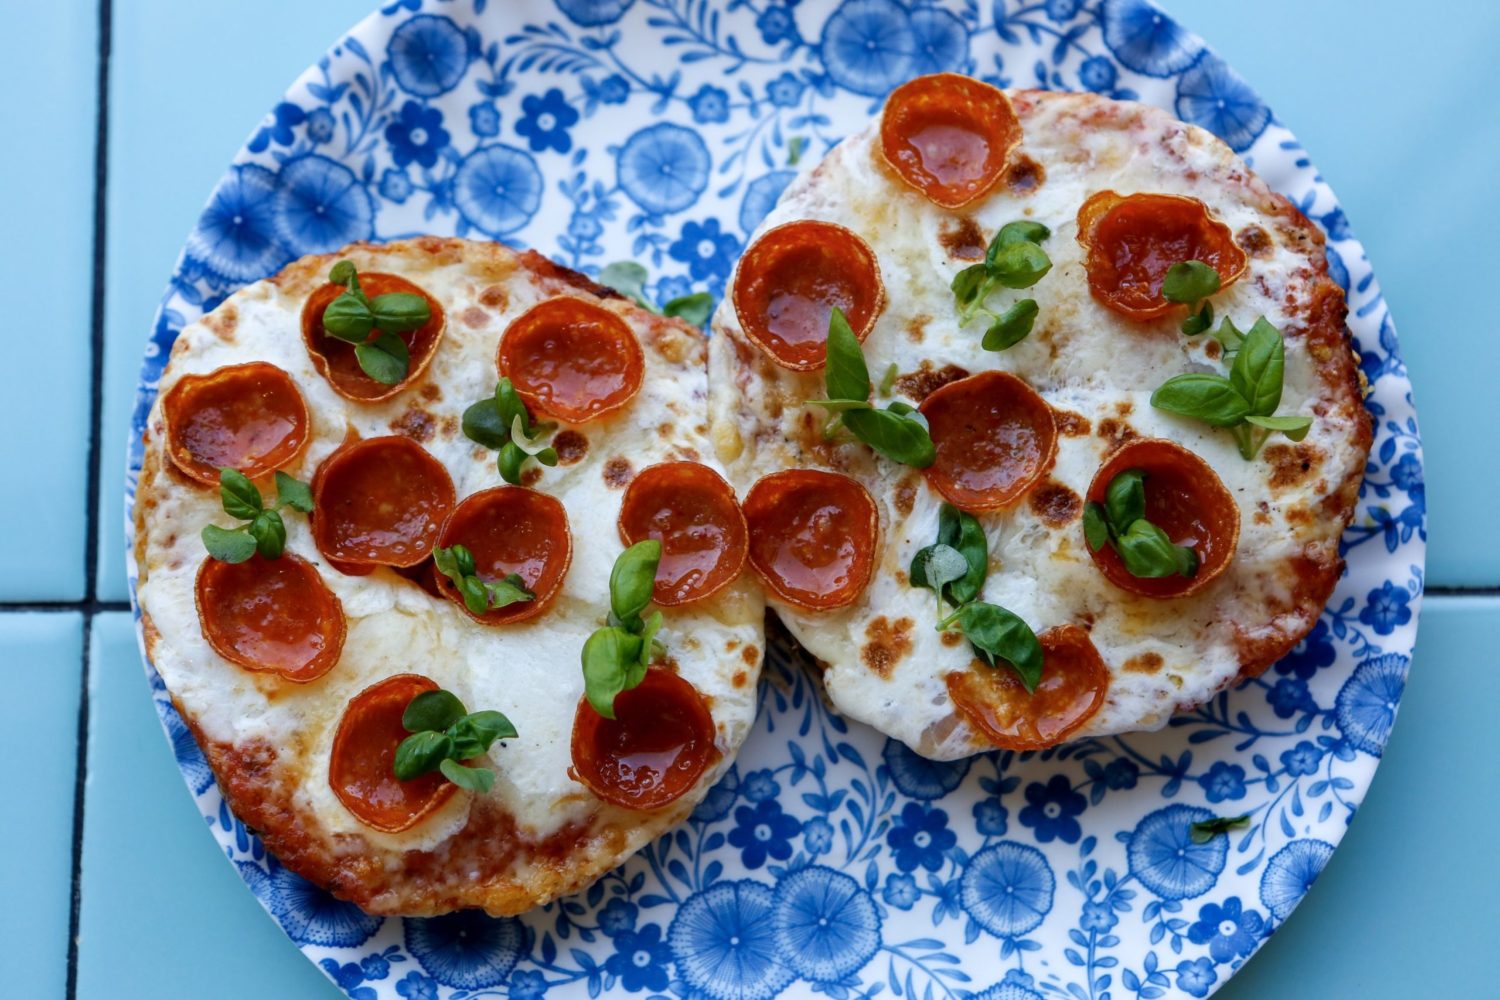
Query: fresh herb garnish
x=1206 y=830
x=354 y=316
x=898 y=432
x=954 y=568
x=1014 y=259
x=1246 y=401
x=457 y=564
x=794 y=148
x=1120 y=522
x=629 y=279
x=1191 y=283
x=616 y=656
x=443 y=734
x=503 y=423
x=264 y=531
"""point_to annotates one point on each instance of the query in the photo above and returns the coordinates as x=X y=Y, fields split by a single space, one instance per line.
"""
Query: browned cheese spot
x=495 y=296
x=906 y=492
x=1125 y=408
x=926 y=380
x=889 y=642
x=951 y=638
x=416 y=423
x=1254 y=240
x=1025 y=175
x=1070 y=424
x=474 y=317
x=750 y=654
x=531 y=475
x=570 y=446
x=963 y=239
x=617 y=473
x=1055 y=504
x=1144 y=663
x=1292 y=464
x=222 y=321
x=430 y=392
x=739 y=679
x=1116 y=432
x=916 y=328
x=1212 y=349
x=1298 y=514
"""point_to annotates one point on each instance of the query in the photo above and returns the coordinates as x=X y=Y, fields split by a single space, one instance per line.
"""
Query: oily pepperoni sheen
x=812 y=537
x=948 y=136
x=380 y=502
x=789 y=282
x=995 y=439
x=1186 y=499
x=692 y=511
x=334 y=358
x=1074 y=682
x=572 y=359
x=361 y=771
x=511 y=529
x=1132 y=241
x=247 y=417
x=654 y=750
x=272 y=615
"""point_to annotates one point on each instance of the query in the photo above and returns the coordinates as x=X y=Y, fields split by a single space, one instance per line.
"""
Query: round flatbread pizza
x=1044 y=413
x=438 y=566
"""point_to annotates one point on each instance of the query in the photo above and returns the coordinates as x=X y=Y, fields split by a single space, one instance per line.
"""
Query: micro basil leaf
x=1295 y=428
x=1095 y=526
x=694 y=308
x=1199 y=321
x=648 y=647
x=1019 y=265
x=845 y=374
x=228 y=545
x=474 y=779
x=269 y=532
x=482 y=424
x=964 y=532
x=1210 y=398
x=901 y=437
x=348 y=318
x=999 y=635
x=473 y=734
x=400 y=312
x=344 y=273
x=511 y=590
x=432 y=710
x=1189 y=282
x=1125 y=498
x=607 y=657
x=509 y=462
x=1148 y=553
x=941 y=565
x=421 y=753
x=511 y=406
x=1258 y=368
x=968 y=284
x=293 y=493
x=479 y=596
x=385 y=359
x=1206 y=830
x=888 y=380
x=1020 y=231
x=633 y=578
x=239 y=495
x=1011 y=327
x=629 y=279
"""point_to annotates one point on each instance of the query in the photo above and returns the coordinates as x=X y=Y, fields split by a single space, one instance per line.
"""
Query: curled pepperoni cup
x=572 y=359
x=995 y=439
x=271 y=615
x=511 y=529
x=247 y=417
x=1073 y=685
x=812 y=537
x=362 y=769
x=334 y=358
x=692 y=511
x=380 y=502
x=1133 y=240
x=1184 y=498
x=789 y=282
x=948 y=136
x=653 y=751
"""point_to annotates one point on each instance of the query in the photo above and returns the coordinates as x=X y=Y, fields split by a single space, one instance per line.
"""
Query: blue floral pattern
x=828 y=859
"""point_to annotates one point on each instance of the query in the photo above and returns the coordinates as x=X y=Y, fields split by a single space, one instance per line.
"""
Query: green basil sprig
x=629 y=279
x=1206 y=830
x=898 y=432
x=264 y=531
x=616 y=656
x=1120 y=522
x=354 y=316
x=1191 y=283
x=503 y=423
x=457 y=563
x=1246 y=401
x=954 y=568
x=443 y=734
x=1014 y=259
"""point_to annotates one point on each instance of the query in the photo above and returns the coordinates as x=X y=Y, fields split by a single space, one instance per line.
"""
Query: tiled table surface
x=108 y=886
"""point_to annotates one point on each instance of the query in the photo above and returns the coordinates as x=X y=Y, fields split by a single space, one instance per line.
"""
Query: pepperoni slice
x=1073 y=685
x=511 y=529
x=995 y=438
x=653 y=751
x=572 y=359
x=247 y=417
x=692 y=511
x=334 y=358
x=812 y=537
x=789 y=282
x=948 y=136
x=272 y=615
x=362 y=769
x=1186 y=499
x=380 y=502
x=1133 y=240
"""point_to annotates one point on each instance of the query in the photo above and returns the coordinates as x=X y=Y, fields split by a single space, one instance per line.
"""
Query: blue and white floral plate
x=828 y=860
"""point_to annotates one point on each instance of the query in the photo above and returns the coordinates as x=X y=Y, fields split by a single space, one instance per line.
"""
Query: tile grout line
x=91 y=603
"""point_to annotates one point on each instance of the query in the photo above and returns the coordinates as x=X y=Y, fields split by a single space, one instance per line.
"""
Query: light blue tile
x=1390 y=103
x=170 y=140
x=163 y=913
x=1406 y=907
x=48 y=122
x=40 y=669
